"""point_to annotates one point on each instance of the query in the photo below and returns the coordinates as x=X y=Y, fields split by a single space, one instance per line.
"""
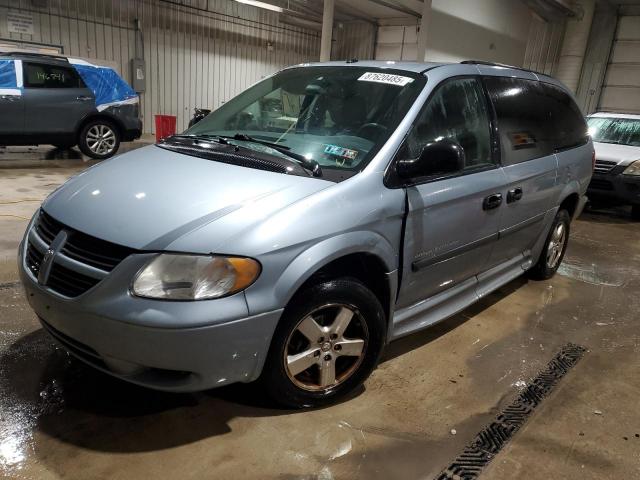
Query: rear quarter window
x=569 y=125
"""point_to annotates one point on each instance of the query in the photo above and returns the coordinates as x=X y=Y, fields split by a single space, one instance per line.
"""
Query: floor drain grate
x=477 y=455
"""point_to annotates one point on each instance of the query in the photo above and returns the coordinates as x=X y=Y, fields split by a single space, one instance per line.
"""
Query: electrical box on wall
x=137 y=75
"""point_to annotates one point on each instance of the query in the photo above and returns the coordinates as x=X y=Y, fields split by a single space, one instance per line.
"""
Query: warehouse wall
x=195 y=57
x=491 y=30
x=543 y=45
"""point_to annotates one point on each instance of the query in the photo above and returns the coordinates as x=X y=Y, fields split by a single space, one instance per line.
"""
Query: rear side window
x=42 y=75
x=570 y=127
x=524 y=118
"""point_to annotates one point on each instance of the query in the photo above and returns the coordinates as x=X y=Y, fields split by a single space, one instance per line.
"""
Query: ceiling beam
x=394 y=5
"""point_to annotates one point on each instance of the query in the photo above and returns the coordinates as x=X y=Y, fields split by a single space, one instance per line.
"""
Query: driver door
x=453 y=219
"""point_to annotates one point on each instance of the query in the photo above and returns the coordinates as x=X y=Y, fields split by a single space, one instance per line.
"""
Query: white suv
x=616 y=177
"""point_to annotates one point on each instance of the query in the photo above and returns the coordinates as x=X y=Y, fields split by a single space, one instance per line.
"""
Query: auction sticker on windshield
x=387 y=78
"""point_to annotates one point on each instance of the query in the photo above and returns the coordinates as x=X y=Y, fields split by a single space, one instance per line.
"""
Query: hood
x=623 y=154
x=150 y=197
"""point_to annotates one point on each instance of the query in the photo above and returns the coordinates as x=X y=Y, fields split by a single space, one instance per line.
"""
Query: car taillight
x=593 y=161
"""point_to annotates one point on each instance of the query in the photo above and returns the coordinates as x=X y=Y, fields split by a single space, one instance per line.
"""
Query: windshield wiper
x=306 y=163
x=193 y=136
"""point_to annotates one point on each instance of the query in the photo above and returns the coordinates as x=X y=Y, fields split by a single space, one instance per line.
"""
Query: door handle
x=10 y=98
x=83 y=98
x=514 y=195
x=492 y=201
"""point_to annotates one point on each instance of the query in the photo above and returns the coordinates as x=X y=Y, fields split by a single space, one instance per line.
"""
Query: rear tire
x=635 y=212
x=344 y=332
x=99 y=139
x=554 y=248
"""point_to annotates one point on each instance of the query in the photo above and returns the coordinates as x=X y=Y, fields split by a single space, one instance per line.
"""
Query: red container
x=165 y=126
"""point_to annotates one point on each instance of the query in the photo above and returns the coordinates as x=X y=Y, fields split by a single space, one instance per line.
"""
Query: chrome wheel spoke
x=327 y=372
x=342 y=321
x=349 y=347
x=302 y=361
x=311 y=330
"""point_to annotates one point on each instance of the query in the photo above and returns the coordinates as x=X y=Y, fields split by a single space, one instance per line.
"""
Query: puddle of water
x=594 y=274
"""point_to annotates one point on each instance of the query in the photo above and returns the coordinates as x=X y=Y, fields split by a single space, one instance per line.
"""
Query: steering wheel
x=371 y=130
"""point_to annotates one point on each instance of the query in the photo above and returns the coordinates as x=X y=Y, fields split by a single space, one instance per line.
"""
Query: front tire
x=554 y=248
x=99 y=139
x=327 y=343
x=635 y=212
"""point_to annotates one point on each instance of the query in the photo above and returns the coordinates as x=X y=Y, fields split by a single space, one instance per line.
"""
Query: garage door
x=397 y=43
x=621 y=90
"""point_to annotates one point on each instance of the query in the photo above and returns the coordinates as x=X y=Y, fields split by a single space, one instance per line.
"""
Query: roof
x=33 y=55
x=416 y=67
x=615 y=115
x=420 y=67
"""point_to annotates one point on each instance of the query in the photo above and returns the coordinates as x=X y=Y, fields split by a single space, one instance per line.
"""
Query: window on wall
x=457 y=111
x=42 y=75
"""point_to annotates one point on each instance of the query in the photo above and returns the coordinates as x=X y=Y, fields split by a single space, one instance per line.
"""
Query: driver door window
x=457 y=111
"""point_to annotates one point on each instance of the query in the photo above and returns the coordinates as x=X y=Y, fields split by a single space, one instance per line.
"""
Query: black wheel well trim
x=100 y=116
x=365 y=267
x=570 y=203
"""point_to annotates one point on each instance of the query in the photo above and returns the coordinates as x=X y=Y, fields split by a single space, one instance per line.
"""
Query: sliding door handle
x=514 y=195
x=492 y=201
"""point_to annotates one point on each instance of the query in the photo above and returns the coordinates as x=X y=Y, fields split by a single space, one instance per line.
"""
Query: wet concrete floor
x=61 y=419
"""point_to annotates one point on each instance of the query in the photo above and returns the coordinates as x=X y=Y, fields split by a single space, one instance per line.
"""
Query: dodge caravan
x=293 y=232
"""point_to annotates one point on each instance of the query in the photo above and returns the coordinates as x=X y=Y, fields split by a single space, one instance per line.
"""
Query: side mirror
x=436 y=158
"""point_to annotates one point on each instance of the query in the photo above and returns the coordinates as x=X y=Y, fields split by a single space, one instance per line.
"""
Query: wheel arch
x=366 y=256
x=570 y=202
x=99 y=116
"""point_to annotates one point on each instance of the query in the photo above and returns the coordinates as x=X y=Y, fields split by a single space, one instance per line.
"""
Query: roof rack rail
x=504 y=65
x=19 y=53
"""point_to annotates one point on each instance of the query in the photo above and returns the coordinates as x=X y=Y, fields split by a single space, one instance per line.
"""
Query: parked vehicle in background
x=46 y=99
x=616 y=176
x=289 y=243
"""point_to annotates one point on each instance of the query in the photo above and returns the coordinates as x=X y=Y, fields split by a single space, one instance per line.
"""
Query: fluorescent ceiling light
x=265 y=5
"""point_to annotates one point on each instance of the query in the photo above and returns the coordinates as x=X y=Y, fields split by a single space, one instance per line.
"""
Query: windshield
x=336 y=116
x=623 y=131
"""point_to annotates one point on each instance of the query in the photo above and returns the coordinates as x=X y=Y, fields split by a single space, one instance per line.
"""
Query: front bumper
x=615 y=187
x=146 y=342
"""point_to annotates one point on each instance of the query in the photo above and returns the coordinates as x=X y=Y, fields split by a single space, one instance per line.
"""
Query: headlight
x=194 y=277
x=633 y=169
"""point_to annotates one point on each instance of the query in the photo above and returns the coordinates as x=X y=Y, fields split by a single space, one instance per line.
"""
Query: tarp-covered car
x=65 y=102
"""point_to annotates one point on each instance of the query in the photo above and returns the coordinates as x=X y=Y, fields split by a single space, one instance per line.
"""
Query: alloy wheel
x=101 y=139
x=556 y=245
x=326 y=347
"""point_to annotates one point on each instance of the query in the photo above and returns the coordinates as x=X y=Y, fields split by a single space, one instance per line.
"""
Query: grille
x=600 y=184
x=85 y=249
x=604 y=166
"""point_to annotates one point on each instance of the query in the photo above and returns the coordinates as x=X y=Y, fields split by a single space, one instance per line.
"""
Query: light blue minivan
x=325 y=211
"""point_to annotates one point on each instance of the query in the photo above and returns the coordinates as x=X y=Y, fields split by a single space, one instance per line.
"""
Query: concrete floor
x=60 y=419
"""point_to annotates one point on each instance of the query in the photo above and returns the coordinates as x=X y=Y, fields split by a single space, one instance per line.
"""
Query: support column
x=327 y=30
x=424 y=30
x=574 y=45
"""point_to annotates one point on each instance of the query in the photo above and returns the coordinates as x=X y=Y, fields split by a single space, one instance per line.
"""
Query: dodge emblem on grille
x=50 y=255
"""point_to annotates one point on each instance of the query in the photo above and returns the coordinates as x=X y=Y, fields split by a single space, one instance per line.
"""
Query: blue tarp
x=7 y=74
x=106 y=84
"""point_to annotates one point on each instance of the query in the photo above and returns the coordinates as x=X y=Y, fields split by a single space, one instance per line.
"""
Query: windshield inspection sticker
x=340 y=152
x=385 y=78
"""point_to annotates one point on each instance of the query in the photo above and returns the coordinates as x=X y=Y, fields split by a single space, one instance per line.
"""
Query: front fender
x=277 y=292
